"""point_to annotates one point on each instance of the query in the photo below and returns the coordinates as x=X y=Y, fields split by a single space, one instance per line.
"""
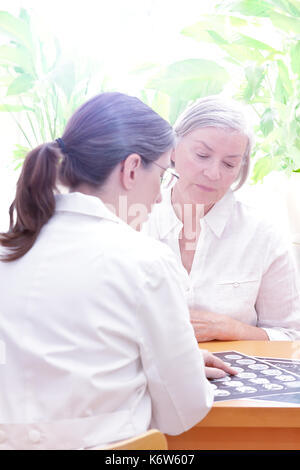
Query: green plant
x=260 y=42
x=182 y=82
x=39 y=86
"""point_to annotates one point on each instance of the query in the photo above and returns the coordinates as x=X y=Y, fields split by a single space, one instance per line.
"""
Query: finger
x=226 y=367
x=219 y=364
x=213 y=373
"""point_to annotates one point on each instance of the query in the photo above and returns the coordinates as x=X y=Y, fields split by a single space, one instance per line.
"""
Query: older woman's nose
x=212 y=171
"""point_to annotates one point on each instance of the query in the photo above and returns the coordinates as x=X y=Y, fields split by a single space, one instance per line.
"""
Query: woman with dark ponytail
x=96 y=332
x=34 y=203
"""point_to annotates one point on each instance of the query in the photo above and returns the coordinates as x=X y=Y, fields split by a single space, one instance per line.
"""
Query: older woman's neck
x=186 y=209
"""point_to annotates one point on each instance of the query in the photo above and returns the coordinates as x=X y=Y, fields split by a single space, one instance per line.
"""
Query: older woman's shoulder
x=268 y=224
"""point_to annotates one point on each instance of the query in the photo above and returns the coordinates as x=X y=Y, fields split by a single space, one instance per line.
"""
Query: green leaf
x=188 y=89
x=21 y=84
x=297 y=141
x=289 y=6
x=20 y=152
x=254 y=43
x=24 y=15
x=177 y=105
x=293 y=131
x=243 y=53
x=64 y=77
x=284 y=76
x=295 y=58
x=214 y=28
x=263 y=167
x=295 y=153
x=267 y=122
x=283 y=111
x=254 y=76
x=11 y=108
x=191 y=70
x=286 y=23
x=251 y=7
x=5 y=80
x=185 y=81
x=217 y=39
x=280 y=93
x=294 y=7
x=269 y=144
x=16 y=28
x=201 y=32
x=237 y=22
x=161 y=104
x=17 y=56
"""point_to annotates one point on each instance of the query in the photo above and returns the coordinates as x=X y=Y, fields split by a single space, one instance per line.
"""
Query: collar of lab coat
x=216 y=219
x=83 y=204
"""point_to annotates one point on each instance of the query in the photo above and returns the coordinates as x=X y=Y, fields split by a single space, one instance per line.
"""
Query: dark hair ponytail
x=34 y=203
x=99 y=135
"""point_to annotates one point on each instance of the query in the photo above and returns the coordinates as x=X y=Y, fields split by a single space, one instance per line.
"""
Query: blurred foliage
x=260 y=39
x=259 y=45
x=39 y=87
x=184 y=81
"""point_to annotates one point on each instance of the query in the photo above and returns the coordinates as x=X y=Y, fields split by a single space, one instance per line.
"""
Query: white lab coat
x=98 y=342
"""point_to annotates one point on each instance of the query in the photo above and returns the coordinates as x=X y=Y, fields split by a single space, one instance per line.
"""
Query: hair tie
x=61 y=145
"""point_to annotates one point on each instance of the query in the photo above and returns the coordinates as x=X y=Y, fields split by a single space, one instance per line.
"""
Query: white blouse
x=241 y=268
x=98 y=342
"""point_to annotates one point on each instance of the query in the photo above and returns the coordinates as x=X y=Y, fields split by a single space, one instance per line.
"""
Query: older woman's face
x=208 y=161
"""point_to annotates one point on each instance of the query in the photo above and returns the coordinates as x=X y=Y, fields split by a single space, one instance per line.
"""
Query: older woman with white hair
x=240 y=278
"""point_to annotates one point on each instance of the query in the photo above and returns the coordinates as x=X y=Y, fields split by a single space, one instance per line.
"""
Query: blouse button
x=2 y=436
x=236 y=284
x=34 y=436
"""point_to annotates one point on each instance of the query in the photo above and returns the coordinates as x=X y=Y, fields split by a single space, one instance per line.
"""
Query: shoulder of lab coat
x=103 y=281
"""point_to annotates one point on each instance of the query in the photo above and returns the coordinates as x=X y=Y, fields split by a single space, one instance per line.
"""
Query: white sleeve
x=278 y=301
x=180 y=393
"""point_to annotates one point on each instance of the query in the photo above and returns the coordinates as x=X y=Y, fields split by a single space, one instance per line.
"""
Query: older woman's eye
x=201 y=155
x=228 y=165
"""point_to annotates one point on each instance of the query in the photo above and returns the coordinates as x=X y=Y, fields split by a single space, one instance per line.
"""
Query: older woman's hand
x=215 y=368
x=209 y=326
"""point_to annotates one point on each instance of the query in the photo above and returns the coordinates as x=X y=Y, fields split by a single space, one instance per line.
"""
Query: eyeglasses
x=168 y=177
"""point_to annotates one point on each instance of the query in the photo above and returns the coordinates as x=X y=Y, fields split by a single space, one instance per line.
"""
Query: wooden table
x=246 y=424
